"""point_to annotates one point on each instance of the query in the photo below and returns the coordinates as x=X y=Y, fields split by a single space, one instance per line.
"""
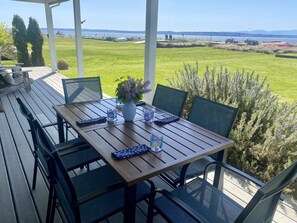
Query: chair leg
x=151 y=200
x=49 y=204
x=34 y=173
x=50 y=216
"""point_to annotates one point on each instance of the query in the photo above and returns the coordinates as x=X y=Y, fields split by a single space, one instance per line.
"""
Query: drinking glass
x=148 y=115
x=156 y=141
x=111 y=115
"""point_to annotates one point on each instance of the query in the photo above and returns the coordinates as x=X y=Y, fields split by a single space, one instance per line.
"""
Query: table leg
x=60 y=128
x=130 y=204
x=219 y=173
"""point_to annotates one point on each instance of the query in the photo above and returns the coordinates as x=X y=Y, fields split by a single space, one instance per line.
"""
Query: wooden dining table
x=184 y=142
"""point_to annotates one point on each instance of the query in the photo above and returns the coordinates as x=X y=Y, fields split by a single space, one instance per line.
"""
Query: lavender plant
x=265 y=132
x=131 y=89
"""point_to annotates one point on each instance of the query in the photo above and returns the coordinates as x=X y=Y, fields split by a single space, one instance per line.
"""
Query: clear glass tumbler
x=156 y=141
x=111 y=115
x=148 y=115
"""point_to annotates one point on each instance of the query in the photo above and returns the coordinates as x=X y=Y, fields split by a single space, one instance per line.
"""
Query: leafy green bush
x=19 y=34
x=265 y=132
x=35 y=37
x=6 y=43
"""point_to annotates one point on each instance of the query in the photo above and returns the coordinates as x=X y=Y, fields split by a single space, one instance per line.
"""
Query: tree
x=35 y=37
x=6 y=42
x=19 y=35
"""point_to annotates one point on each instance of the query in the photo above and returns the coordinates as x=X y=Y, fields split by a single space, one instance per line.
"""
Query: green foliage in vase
x=265 y=132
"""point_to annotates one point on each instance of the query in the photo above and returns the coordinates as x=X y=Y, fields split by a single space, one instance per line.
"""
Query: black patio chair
x=75 y=153
x=169 y=99
x=82 y=89
x=88 y=197
x=214 y=116
x=200 y=201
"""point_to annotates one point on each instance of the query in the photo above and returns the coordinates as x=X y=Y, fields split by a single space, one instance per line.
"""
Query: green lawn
x=111 y=60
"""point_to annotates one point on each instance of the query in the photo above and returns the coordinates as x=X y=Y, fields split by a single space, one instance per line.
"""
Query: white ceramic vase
x=129 y=111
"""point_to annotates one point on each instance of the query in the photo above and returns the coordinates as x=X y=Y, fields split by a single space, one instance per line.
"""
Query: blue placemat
x=91 y=121
x=166 y=120
x=130 y=152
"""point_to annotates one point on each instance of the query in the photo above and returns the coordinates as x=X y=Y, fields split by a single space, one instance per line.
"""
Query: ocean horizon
x=189 y=35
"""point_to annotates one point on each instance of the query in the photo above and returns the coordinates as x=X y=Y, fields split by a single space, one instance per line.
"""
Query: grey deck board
x=20 y=202
x=7 y=214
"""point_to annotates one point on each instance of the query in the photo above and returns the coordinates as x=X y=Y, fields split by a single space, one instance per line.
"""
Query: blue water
x=161 y=35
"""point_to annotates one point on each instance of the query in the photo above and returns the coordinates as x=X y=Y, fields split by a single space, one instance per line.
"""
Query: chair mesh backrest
x=82 y=89
x=169 y=99
x=212 y=115
x=56 y=170
x=28 y=115
x=64 y=188
x=44 y=146
x=262 y=206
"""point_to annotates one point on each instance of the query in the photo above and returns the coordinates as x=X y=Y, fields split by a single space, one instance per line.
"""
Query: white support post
x=150 y=45
x=78 y=38
x=51 y=37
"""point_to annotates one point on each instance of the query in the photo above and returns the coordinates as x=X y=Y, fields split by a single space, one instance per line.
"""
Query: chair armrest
x=233 y=169
x=189 y=210
x=51 y=124
x=102 y=191
x=97 y=193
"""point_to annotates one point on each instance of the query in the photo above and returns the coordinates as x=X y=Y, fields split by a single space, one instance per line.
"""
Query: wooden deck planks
x=20 y=203
x=8 y=213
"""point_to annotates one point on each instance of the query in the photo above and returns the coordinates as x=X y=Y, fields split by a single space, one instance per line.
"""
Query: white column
x=51 y=37
x=78 y=38
x=150 y=45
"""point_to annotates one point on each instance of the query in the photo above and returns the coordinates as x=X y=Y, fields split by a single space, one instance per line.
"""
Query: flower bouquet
x=129 y=91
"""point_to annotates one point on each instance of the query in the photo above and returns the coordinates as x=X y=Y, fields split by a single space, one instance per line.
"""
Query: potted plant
x=129 y=91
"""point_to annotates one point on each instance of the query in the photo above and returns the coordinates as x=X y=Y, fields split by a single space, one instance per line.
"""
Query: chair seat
x=195 y=169
x=111 y=202
x=76 y=153
x=70 y=143
x=205 y=199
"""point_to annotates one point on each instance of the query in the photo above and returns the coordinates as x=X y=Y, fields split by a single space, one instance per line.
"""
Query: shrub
x=7 y=50
x=36 y=39
x=62 y=65
x=19 y=34
x=265 y=130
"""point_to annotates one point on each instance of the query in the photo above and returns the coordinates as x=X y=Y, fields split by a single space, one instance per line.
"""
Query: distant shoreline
x=204 y=36
x=194 y=33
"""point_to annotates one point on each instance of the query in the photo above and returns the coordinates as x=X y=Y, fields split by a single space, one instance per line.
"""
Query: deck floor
x=19 y=203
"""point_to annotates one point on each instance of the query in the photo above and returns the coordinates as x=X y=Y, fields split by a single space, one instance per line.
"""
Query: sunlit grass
x=111 y=60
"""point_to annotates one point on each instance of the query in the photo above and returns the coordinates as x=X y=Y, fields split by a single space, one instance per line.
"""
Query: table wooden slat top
x=184 y=142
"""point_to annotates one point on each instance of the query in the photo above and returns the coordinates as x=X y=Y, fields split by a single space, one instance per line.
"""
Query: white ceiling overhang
x=43 y=1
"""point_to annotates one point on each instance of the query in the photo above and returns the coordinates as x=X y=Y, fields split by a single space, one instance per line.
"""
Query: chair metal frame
x=195 y=118
x=75 y=150
x=254 y=211
x=101 y=188
x=175 y=106
x=81 y=81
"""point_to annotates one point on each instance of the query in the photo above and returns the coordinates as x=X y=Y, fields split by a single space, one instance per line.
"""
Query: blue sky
x=174 y=15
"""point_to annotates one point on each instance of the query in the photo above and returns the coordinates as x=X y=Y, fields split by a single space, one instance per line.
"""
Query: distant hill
x=274 y=32
x=254 y=33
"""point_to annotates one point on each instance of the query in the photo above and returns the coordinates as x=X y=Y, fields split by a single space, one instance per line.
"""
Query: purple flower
x=131 y=89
